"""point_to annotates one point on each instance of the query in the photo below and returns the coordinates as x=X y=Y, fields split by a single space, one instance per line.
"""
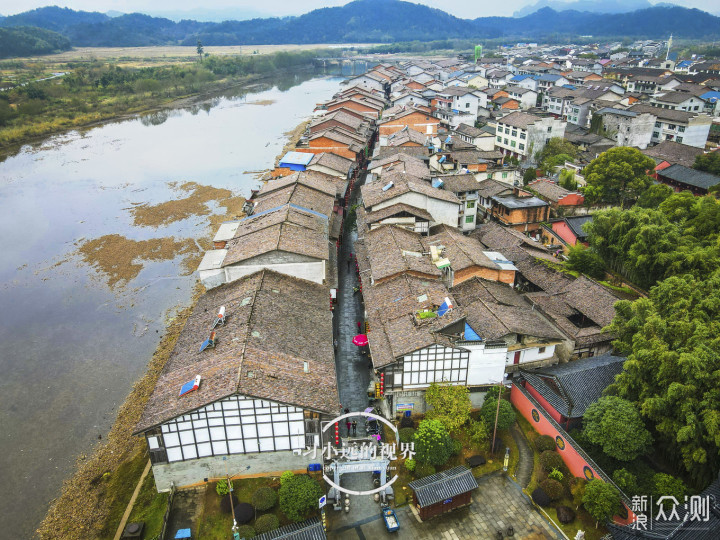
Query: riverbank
x=93 y=500
x=14 y=137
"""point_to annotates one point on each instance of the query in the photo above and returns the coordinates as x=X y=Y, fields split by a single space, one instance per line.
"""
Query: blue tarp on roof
x=436 y=183
x=296 y=161
x=470 y=334
x=712 y=96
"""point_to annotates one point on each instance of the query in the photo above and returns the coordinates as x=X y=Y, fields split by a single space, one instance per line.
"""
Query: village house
x=561 y=200
x=369 y=81
x=336 y=141
x=399 y=162
x=405 y=137
x=365 y=106
x=398 y=187
x=401 y=214
x=672 y=153
x=566 y=232
x=625 y=127
x=680 y=101
x=341 y=119
x=566 y=391
x=681 y=178
x=249 y=394
x=524 y=135
x=524 y=96
x=331 y=164
x=480 y=138
x=520 y=210
x=420 y=121
x=689 y=128
x=465 y=187
x=443 y=492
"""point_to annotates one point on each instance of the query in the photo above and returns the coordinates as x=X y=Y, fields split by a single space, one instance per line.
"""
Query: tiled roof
x=332 y=161
x=373 y=193
x=392 y=210
x=286 y=236
x=576 y=225
x=395 y=158
x=274 y=323
x=312 y=181
x=572 y=387
x=292 y=214
x=297 y=193
x=493 y=292
x=393 y=250
x=489 y=188
x=462 y=251
x=406 y=135
x=341 y=116
x=548 y=190
x=591 y=299
x=468 y=156
x=443 y=485
x=664 y=114
x=470 y=131
x=459 y=183
x=311 y=529
x=690 y=177
x=519 y=119
x=673 y=152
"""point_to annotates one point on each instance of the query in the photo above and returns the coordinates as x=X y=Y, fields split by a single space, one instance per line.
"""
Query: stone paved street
x=496 y=505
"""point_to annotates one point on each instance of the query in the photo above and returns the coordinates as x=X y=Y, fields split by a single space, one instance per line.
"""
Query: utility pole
x=497 y=414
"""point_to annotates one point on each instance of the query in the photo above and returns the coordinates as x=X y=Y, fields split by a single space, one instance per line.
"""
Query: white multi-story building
x=523 y=135
x=684 y=127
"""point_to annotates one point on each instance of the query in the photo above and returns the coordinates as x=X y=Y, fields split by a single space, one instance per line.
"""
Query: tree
x=479 y=432
x=200 y=49
x=557 y=146
x=433 y=444
x=672 y=372
x=298 y=496
x=601 y=500
x=548 y=164
x=529 y=175
x=450 y=404
x=587 y=261
x=614 y=424
x=264 y=498
x=626 y=481
x=708 y=162
x=567 y=180
x=506 y=418
x=617 y=176
x=665 y=485
x=654 y=195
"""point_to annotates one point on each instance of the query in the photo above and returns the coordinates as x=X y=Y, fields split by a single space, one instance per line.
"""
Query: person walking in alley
x=348 y=424
x=354 y=426
x=359 y=323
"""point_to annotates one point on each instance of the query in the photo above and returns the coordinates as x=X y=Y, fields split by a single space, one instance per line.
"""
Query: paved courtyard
x=496 y=505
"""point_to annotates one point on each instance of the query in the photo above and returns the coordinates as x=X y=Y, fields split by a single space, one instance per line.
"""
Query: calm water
x=70 y=347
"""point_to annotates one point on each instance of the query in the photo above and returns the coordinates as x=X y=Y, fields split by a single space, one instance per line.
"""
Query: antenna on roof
x=220 y=319
x=209 y=343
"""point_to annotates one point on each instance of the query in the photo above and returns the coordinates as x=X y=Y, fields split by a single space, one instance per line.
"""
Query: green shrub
x=298 y=496
x=544 y=443
x=667 y=485
x=266 y=523
x=556 y=474
x=626 y=481
x=479 y=432
x=433 y=443
x=457 y=447
x=553 y=488
x=264 y=498
x=505 y=417
x=551 y=460
x=407 y=434
x=246 y=531
x=601 y=500
x=410 y=464
x=424 y=469
x=222 y=488
x=284 y=477
x=577 y=489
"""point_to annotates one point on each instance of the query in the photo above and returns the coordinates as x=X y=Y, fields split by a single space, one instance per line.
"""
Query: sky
x=252 y=8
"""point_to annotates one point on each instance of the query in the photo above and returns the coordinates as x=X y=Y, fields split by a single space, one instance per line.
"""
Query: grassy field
x=174 y=53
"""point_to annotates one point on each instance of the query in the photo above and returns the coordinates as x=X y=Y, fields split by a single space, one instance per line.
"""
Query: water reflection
x=72 y=347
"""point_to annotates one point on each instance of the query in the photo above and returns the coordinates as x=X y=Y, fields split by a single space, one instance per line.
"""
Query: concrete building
x=690 y=128
x=524 y=135
x=627 y=127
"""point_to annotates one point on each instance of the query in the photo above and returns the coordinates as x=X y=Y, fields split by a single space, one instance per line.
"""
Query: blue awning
x=470 y=334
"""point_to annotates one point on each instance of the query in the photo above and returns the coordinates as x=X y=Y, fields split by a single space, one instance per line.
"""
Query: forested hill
x=364 y=21
x=28 y=41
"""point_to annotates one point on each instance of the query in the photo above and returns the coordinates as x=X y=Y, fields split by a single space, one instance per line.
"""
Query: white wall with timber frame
x=234 y=425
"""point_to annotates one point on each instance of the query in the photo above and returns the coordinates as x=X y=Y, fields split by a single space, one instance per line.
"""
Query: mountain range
x=366 y=21
x=591 y=6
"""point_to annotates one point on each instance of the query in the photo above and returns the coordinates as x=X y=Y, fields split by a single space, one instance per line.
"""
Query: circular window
x=560 y=442
x=535 y=415
x=588 y=472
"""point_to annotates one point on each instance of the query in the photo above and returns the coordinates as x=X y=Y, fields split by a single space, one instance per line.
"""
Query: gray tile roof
x=274 y=323
x=311 y=529
x=519 y=119
x=395 y=209
x=373 y=193
x=443 y=485
x=572 y=387
x=513 y=201
x=548 y=190
x=673 y=152
x=690 y=177
x=576 y=224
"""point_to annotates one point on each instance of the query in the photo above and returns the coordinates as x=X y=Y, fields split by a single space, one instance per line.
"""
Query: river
x=73 y=338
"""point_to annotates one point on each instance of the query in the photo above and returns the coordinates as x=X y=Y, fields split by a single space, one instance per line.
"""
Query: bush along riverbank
x=94 y=92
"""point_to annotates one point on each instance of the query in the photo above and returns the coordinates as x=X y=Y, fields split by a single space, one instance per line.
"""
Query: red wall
x=577 y=464
x=563 y=231
x=572 y=199
x=549 y=408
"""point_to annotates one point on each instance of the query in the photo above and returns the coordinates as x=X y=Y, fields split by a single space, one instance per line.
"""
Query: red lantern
x=337 y=433
x=382 y=384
